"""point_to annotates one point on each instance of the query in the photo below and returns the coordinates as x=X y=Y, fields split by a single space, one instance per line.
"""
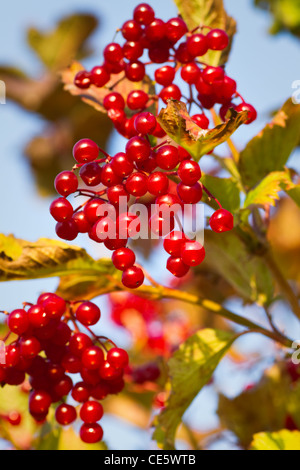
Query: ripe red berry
x=143 y=14
x=29 y=346
x=137 y=149
x=118 y=358
x=61 y=209
x=132 y=50
x=113 y=52
x=99 y=76
x=114 y=100
x=90 y=173
x=189 y=172
x=92 y=357
x=53 y=305
x=109 y=177
x=221 y=221
x=82 y=79
x=91 y=209
x=168 y=92
x=182 y=54
x=167 y=157
x=91 y=412
x=252 y=113
x=66 y=183
x=173 y=243
x=135 y=71
x=123 y=258
x=175 y=29
x=212 y=74
x=192 y=253
x=136 y=184
x=91 y=433
x=137 y=99
x=88 y=313
x=190 y=73
x=217 y=39
x=190 y=194
x=177 y=267
x=161 y=225
x=158 y=183
x=133 y=277
x=85 y=150
x=37 y=316
x=155 y=31
x=165 y=75
x=80 y=392
x=145 y=123
x=39 y=402
x=66 y=230
x=197 y=45
x=78 y=343
x=201 y=120
x=81 y=221
x=18 y=321
x=122 y=165
x=131 y=30
x=65 y=414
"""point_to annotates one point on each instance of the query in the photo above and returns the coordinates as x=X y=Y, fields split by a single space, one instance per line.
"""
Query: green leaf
x=20 y=260
x=271 y=148
x=226 y=190
x=176 y=122
x=294 y=193
x=266 y=192
x=286 y=15
x=208 y=13
x=119 y=83
x=281 y=440
x=190 y=369
x=59 y=47
x=228 y=255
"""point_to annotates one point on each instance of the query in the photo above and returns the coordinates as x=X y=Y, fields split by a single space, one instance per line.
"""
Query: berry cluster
x=171 y=44
x=49 y=351
x=149 y=170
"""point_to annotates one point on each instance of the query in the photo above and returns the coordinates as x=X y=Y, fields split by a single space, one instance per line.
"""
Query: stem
x=211 y=196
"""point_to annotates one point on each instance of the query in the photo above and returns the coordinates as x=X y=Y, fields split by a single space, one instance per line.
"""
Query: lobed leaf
x=190 y=369
x=281 y=440
x=177 y=123
x=267 y=191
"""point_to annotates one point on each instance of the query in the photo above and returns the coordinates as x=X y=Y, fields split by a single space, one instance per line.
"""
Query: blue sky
x=264 y=67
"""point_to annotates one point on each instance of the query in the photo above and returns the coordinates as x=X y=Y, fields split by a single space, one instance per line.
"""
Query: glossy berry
x=174 y=242
x=66 y=230
x=65 y=414
x=131 y=30
x=61 y=209
x=132 y=50
x=168 y=92
x=197 y=45
x=175 y=29
x=113 y=100
x=90 y=173
x=18 y=321
x=165 y=75
x=143 y=14
x=221 y=221
x=53 y=305
x=82 y=79
x=158 y=183
x=217 y=39
x=123 y=258
x=190 y=194
x=88 y=313
x=201 y=120
x=133 y=277
x=92 y=357
x=29 y=346
x=91 y=412
x=145 y=123
x=37 y=316
x=81 y=221
x=137 y=99
x=99 y=76
x=177 y=267
x=136 y=184
x=167 y=157
x=192 y=253
x=66 y=183
x=113 y=52
x=85 y=150
x=252 y=113
x=135 y=71
x=121 y=165
x=137 y=149
x=155 y=31
x=212 y=74
x=189 y=172
x=118 y=358
x=190 y=73
x=91 y=433
x=80 y=392
x=39 y=402
x=78 y=343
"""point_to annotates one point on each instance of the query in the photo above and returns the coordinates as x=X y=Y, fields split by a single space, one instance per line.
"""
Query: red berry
x=165 y=75
x=63 y=387
x=14 y=418
x=190 y=194
x=252 y=113
x=182 y=54
x=161 y=225
x=132 y=50
x=66 y=183
x=144 y=14
x=136 y=184
x=177 y=267
x=37 y=316
x=192 y=253
x=171 y=91
x=18 y=321
x=189 y=172
x=53 y=305
x=88 y=313
x=123 y=258
x=91 y=209
x=159 y=51
x=173 y=243
x=114 y=100
x=109 y=177
x=91 y=412
x=197 y=45
x=133 y=277
x=78 y=343
x=66 y=230
x=29 y=347
x=61 y=209
x=201 y=120
x=114 y=193
x=90 y=173
x=122 y=165
x=145 y=123
x=92 y=357
x=113 y=52
x=108 y=372
x=91 y=433
x=137 y=149
x=190 y=73
x=131 y=30
x=221 y=221
x=12 y=355
x=39 y=402
x=82 y=79
x=175 y=29
x=85 y=150
x=80 y=392
x=81 y=221
x=155 y=31
x=65 y=414
x=217 y=39
x=99 y=76
x=167 y=157
x=158 y=183
x=118 y=358
x=135 y=71
x=212 y=74
x=137 y=99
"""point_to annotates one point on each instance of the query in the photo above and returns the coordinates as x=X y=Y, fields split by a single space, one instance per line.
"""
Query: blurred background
x=40 y=123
